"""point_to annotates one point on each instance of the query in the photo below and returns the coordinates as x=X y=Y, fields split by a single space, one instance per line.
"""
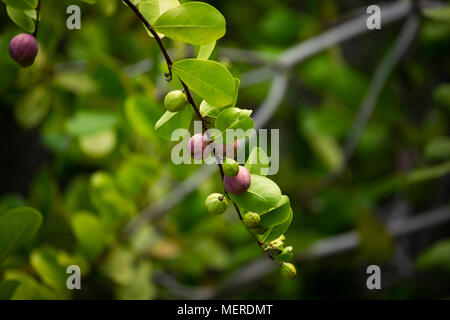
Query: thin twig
x=38 y=11
x=190 y=100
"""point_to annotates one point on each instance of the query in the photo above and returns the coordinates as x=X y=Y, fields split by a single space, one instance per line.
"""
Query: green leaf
x=153 y=9
x=86 y=123
x=45 y=262
x=21 y=4
x=210 y=111
x=17 y=226
x=237 y=84
x=209 y=79
x=277 y=215
x=7 y=289
x=195 y=23
x=142 y=113
x=275 y=232
x=92 y=236
x=205 y=50
x=234 y=119
x=262 y=196
x=170 y=121
x=23 y=18
x=258 y=162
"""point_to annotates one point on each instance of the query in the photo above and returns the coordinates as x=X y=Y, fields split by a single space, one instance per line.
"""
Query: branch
x=38 y=11
x=167 y=203
x=286 y=60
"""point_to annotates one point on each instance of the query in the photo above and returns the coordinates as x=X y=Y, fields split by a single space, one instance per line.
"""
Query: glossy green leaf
x=193 y=22
x=277 y=215
x=23 y=18
x=258 y=162
x=170 y=121
x=262 y=196
x=235 y=119
x=17 y=226
x=205 y=50
x=153 y=9
x=210 y=111
x=21 y=4
x=209 y=79
x=278 y=230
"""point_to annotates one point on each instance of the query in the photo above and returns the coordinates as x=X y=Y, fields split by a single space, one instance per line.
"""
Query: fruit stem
x=38 y=11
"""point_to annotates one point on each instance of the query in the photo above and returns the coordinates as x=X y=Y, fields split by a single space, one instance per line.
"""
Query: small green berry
x=175 y=101
x=288 y=270
x=251 y=219
x=216 y=203
x=285 y=255
x=230 y=167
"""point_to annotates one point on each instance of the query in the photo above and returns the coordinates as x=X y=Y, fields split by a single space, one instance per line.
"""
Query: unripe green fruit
x=175 y=101
x=288 y=270
x=216 y=203
x=230 y=167
x=251 y=219
x=285 y=255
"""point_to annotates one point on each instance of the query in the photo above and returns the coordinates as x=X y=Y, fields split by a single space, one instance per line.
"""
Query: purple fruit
x=197 y=144
x=23 y=49
x=239 y=183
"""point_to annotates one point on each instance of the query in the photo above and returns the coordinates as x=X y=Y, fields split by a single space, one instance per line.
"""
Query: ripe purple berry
x=239 y=183
x=23 y=49
x=197 y=144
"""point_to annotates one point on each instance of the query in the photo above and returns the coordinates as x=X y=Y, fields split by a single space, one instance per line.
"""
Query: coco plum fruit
x=230 y=167
x=288 y=270
x=23 y=49
x=251 y=220
x=239 y=183
x=175 y=101
x=197 y=145
x=216 y=203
